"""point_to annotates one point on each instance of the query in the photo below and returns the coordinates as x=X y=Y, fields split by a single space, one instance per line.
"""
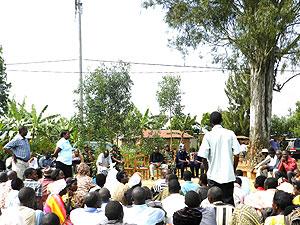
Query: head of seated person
x=187 y=175
x=114 y=211
x=281 y=201
x=271 y=183
x=174 y=186
x=104 y=195
x=92 y=200
x=139 y=196
x=50 y=219
x=215 y=194
x=260 y=182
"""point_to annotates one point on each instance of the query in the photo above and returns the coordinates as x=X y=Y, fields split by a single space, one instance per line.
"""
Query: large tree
x=169 y=97
x=107 y=101
x=261 y=33
x=237 y=89
x=4 y=86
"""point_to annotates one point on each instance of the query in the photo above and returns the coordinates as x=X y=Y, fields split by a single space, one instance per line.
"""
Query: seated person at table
x=182 y=159
x=156 y=161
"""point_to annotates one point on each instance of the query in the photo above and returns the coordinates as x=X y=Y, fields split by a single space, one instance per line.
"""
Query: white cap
x=264 y=150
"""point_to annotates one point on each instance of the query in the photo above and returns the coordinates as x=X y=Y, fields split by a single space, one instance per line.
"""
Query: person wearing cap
x=268 y=164
x=45 y=181
x=19 y=149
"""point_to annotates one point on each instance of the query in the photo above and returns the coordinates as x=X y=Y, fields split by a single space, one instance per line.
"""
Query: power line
x=133 y=72
x=155 y=64
x=40 y=62
x=211 y=68
x=116 y=61
x=43 y=71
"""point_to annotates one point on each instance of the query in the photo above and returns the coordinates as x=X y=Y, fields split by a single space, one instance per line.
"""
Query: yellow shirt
x=296 y=200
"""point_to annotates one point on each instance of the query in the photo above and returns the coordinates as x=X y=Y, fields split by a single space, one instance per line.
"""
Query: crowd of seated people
x=48 y=197
x=56 y=200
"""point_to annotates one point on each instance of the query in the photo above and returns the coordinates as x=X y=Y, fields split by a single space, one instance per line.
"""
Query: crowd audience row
x=49 y=198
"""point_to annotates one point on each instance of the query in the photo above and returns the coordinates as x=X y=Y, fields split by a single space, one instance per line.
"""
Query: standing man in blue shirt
x=19 y=149
x=63 y=153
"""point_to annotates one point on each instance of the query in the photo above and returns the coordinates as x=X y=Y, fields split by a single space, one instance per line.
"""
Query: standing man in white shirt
x=63 y=154
x=221 y=149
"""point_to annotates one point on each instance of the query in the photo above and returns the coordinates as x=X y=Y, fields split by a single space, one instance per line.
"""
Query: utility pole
x=78 y=9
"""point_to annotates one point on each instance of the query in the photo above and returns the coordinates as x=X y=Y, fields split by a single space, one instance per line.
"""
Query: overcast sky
x=44 y=30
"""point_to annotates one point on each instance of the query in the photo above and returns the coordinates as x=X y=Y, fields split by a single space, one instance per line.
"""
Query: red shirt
x=289 y=165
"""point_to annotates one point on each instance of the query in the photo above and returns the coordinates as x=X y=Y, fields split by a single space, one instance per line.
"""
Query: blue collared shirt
x=189 y=186
x=20 y=147
x=143 y=215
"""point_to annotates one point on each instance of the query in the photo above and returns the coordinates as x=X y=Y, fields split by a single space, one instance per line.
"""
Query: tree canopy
x=4 y=86
x=237 y=89
x=264 y=34
x=107 y=93
x=169 y=95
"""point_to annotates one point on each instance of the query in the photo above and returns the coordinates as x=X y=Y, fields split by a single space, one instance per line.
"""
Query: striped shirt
x=223 y=213
x=35 y=185
x=20 y=147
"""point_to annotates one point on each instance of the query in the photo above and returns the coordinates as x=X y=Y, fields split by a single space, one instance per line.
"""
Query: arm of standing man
x=8 y=148
x=236 y=151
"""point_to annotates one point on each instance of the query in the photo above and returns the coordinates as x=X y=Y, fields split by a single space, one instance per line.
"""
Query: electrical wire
x=40 y=62
x=133 y=72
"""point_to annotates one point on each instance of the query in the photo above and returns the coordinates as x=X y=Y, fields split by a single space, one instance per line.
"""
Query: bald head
x=50 y=219
x=104 y=195
x=139 y=195
x=92 y=200
x=214 y=194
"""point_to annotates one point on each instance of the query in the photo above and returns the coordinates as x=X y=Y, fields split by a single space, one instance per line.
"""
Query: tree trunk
x=262 y=79
x=171 y=139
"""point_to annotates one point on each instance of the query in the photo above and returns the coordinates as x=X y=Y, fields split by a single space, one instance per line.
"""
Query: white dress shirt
x=143 y=215
x=90 y=216
x=218 y=147
x=171 y=204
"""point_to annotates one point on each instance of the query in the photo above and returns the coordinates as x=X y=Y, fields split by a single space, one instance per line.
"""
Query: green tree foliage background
x=237 y=115
x=107 y=93
x=4 y=86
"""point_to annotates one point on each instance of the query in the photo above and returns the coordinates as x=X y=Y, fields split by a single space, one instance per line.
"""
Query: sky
x=35 y=31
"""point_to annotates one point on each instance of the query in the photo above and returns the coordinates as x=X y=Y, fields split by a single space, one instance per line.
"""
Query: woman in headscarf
x=68 y=198
x=84 y=183
x=244 y=214
x=134 y=181
x=55 y=204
